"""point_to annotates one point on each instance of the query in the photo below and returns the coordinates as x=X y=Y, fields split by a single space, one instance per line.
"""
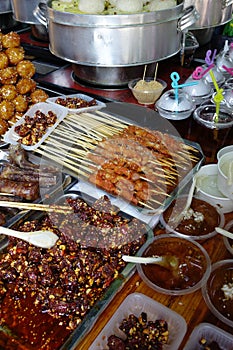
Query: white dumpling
x=157 y=5
x=91 y=6
x=130 y=5
x=113 y=2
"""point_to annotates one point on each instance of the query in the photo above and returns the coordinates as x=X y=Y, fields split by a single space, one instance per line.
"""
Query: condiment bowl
x=147 y=91
x=224 y=150
x=218 y=291
x=197 y=224
x=225 y=174
x=228 y=241
x=207 y=188
x=191 y=273
x=219 y=77
x=174 y=108
x=199 y=92
x=205 y=115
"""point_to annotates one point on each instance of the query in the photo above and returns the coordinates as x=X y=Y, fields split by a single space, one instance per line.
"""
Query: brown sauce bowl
x=192 y=227
x=192 y=270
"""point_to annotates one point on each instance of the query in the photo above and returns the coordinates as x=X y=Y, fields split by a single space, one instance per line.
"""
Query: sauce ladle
x=42 y=239
x=167 y=261
x=224 y=232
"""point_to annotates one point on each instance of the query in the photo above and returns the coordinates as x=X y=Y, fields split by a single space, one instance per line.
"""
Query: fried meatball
x=26 y=69
x=38 y=95
x=8 y=91
x=8 y=75
x=15 y=55
x=3 y=126
x=11 y=39
x=21 y=103
x=4 y=61
x=7 y=109
x=25 y=86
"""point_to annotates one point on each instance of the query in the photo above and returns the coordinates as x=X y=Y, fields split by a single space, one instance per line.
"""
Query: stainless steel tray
x=145 y=118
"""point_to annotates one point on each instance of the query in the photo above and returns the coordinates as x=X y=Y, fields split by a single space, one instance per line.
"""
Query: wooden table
x=192 y=306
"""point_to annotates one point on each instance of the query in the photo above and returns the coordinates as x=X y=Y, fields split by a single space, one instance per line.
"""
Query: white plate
x=135 y=304
x=12 y=137
x=98 y=106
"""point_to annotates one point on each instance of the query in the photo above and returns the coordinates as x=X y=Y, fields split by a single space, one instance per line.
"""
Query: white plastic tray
x=135 y=304
x=12 y=137
x=210 y=333
x=98 y=106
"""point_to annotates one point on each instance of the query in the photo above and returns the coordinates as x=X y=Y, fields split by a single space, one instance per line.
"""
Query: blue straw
x=175 y=78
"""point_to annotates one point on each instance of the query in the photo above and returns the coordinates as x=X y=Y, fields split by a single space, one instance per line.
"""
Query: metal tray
x=92 y=315
x=122 y=112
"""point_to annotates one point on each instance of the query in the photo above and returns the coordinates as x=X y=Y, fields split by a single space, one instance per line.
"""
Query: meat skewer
x=25 y=190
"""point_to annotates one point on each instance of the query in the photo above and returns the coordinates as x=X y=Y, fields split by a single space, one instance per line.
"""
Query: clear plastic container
x=87 y=98
x=135 y=304
x=207 y=188
x=200 y=92
x=148 y=91
x=198 y=224
x=175 y=109
x=205 y=115
x=189 y=268
x=210 y=333
x=228 y=241
x=13 y=138
x=219 y=77
x=215 y=298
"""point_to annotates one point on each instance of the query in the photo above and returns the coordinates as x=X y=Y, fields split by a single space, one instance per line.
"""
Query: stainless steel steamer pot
x=212 y=12
x=5 y=6
x=23 y=10
x=115 y=40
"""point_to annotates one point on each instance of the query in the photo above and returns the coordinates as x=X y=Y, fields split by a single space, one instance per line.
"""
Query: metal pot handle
x=189 y=17
x=40 y=12
x=226 y=3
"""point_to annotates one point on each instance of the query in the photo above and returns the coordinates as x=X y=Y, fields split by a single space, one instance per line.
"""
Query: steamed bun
x=130 y=5
x=91 y=6
x=157 y=5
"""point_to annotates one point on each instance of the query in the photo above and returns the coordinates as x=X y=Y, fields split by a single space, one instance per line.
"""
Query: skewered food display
x=140 y=334
x=60 y=285
x=142 y=166
x=18 y=90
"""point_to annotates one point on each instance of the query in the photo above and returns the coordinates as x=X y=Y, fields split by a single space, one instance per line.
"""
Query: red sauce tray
x=69 y=285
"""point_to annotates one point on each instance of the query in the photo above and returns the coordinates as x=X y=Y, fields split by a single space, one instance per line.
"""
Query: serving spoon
x=224 y=232
x=167 y=261
x=42 y=239
x=176 y=219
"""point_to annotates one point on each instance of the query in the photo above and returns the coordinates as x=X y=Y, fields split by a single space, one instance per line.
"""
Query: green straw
x=218 y=96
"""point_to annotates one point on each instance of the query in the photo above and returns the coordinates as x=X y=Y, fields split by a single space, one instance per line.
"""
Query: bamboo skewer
x=39 y=207
x=78 y=136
